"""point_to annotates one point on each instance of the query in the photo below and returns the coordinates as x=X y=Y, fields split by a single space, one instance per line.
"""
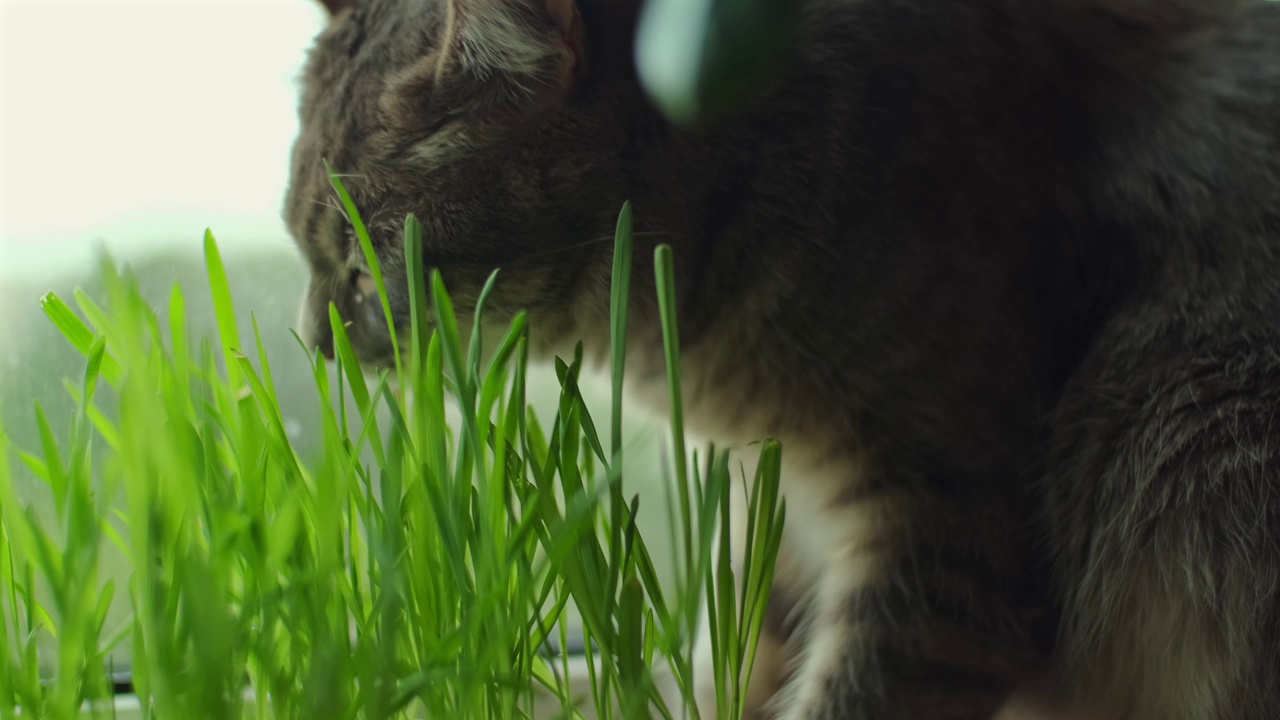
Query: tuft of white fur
x=504 y=38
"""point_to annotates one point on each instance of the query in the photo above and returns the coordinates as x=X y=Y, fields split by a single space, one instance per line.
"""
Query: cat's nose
x=319 y=336
x=313 y=323
x=360 y=308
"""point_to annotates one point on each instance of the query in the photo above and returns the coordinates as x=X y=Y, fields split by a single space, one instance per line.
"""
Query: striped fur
x=1002 y=275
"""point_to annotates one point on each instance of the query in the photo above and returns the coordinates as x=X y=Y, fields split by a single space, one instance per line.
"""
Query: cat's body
x=1002 y=275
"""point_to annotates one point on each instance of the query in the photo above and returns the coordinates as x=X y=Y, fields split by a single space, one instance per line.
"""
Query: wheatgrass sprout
x=426 y=583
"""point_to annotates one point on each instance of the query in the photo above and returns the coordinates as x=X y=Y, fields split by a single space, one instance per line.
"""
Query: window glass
x=132 y=127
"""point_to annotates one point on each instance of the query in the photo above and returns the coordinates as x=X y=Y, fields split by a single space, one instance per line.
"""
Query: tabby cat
x=1003 y=276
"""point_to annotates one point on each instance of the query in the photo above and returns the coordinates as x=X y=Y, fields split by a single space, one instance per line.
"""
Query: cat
x=1003 y=277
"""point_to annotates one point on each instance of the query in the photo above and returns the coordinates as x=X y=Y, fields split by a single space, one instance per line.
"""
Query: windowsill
x=126 y=706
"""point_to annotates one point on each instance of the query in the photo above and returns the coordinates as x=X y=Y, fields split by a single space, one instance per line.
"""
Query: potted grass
x=413 y=568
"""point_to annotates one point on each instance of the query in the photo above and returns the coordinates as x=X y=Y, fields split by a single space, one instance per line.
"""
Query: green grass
x=423 y=584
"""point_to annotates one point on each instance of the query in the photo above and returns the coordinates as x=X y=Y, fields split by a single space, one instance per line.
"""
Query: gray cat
x=1003 y=276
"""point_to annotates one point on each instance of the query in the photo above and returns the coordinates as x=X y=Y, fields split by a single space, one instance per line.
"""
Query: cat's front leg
x=912 y=616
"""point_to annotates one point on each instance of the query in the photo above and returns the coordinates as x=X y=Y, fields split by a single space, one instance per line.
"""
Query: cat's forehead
x=350 y=61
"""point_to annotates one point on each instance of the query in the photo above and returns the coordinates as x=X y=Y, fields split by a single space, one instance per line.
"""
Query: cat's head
x=500 y=124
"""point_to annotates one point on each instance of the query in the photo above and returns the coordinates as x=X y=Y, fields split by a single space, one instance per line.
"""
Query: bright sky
x=145 y=121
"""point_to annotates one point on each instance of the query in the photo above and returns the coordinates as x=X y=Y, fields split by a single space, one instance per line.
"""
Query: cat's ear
x=512 y=35
x=500 y=60
x=536 y=44
x=336 y=6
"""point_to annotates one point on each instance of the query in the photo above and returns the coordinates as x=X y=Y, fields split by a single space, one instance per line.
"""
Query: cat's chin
x=1044 y=698
x=375 y=369
x=380 y=365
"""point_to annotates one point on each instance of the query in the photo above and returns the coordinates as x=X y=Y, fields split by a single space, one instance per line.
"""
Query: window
x=137 y=125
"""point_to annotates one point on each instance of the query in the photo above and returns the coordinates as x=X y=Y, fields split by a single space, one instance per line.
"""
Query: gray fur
x=1002 y=275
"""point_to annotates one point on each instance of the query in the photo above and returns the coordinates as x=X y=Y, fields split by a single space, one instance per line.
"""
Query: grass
x=428 y=583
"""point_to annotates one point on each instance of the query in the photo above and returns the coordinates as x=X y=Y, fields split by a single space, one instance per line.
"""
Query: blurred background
x=129 y=128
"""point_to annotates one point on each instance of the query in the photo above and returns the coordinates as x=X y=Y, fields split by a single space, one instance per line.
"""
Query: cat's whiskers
x=596 y=241
x=332 y=203
x=327 y=288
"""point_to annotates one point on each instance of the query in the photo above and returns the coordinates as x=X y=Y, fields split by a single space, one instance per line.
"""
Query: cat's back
x=1051 y=165
x=1188 y=170
x=1133 y=139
